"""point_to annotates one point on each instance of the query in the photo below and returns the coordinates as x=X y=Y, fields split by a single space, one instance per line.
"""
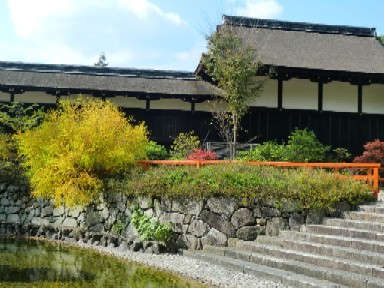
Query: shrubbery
x=302 y=146
x=67 y=156
x=155 y=151
x=373 y=153
x=200 y=154
x=183 y=145
x=310 y=189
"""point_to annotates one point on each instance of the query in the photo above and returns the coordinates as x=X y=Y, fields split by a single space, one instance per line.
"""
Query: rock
x=46 y=211
x=274 y=226
x=295 y=221
x=220 y=224
x=176 y=218
x=3 y=217
x=269 y=212
x=187 y=206
x=145 y=202
x=315 y=217
x=58 y=211
x=188 y=218
x=214 y=238
x=13 y=218
x=243 y=217
x=261 y=221
x=75 y=212
x=93 y=218
x=289 y=207
x=12 y=189
x=249 y=233
x=136 y=246
x=96 y=228
x=222 y=206
x=5 y=202
x=70 y=222
x=198 y=228
x=40 y=221
x=14 y=209
x=192 y=242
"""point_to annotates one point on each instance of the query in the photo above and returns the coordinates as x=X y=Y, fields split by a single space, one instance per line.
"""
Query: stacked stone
x=196 y=223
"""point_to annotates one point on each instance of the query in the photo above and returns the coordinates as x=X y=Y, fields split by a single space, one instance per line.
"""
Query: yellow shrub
x=68 y=155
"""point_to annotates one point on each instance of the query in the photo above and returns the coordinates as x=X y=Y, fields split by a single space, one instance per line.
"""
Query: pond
x=33 y=263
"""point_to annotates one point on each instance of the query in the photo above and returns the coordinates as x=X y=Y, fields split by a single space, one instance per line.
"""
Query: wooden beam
x=147 y=104
x=360 y=98
x=280 y=94
x=320 y=96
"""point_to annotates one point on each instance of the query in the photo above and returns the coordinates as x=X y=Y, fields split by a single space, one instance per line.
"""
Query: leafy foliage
x=183 y=145
x=76 y=146
x=303 y=146
x=342 y=154
x=232 y=65
x=200 y=154
x=150 y=230
x=311 y=189
x=373 y=153
x=156 y=151
x=19 y=117
x=268 y=151
x=10 y=170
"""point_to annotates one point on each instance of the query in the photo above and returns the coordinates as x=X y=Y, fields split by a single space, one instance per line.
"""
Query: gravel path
x=202 y=271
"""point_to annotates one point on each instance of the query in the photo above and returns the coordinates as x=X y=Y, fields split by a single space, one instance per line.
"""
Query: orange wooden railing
x=355 y=170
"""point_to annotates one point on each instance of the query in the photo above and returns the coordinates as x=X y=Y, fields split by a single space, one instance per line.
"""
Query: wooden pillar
x=360 y=98
x=280 y=93
x=147 y=104
x=193 y=106
x=320 y=95
x=12 y=97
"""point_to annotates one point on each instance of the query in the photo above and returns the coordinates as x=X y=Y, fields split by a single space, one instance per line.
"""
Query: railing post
x=376 y=182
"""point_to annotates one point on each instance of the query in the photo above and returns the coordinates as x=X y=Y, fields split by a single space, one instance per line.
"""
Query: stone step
x=344 y=232
x=364 y=216
x=331 y=275
x=277 y=275
x=358 y=244
x=379 y=209
x=355 y=224
x=314 y=256
x=318 y=248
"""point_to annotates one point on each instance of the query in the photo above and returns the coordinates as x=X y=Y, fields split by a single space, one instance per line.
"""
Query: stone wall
x=195 y=223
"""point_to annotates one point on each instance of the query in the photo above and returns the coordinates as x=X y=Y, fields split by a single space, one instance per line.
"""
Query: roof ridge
x=298 y=26
x=94 y=70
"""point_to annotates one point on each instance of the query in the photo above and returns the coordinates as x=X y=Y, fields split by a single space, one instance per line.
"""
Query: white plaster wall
x=35 y=97
x=128 y=102
x=300 y=94
x=268 y=97
x=5 y=97
x=210 y=106
x=340 y=97
x=172 y=104
x=373 y=99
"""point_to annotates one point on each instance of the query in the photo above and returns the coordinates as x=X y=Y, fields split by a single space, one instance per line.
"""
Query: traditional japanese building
x=327 y=78
x=324 y=77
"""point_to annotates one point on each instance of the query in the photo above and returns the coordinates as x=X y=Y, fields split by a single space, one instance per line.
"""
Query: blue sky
x=155 y=34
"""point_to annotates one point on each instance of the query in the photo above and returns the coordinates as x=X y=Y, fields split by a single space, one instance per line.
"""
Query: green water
x=31 y=263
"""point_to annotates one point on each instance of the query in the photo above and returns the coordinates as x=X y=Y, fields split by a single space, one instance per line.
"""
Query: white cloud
x=261 y=9
x=133 y=33
x=142 y=9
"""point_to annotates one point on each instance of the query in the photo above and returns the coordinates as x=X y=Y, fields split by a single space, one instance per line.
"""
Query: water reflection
x=29 y=263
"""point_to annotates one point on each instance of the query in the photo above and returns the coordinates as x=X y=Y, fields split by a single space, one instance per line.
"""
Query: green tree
x=232 y=65
x=381 y=39
x=102 y=62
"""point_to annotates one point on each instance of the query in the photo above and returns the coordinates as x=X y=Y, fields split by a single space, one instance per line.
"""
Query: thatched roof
x=118 y=81
x=311 y=46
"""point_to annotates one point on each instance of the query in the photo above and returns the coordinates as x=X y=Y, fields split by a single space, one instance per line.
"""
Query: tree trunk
x=233 y=150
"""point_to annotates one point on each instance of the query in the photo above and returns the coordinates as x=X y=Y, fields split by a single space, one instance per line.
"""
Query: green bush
x=303 y=146
x=150 y=230
x=183 y=145
x=268 y=151
x=78 y=145
x=10 y=170
x=311 y=189
x=155 y=151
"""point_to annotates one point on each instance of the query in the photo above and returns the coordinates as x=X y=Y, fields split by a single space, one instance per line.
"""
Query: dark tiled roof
x=312 y=46
x=86 y=78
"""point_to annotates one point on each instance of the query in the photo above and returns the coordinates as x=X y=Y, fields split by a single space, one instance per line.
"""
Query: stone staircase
x=345 y=252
